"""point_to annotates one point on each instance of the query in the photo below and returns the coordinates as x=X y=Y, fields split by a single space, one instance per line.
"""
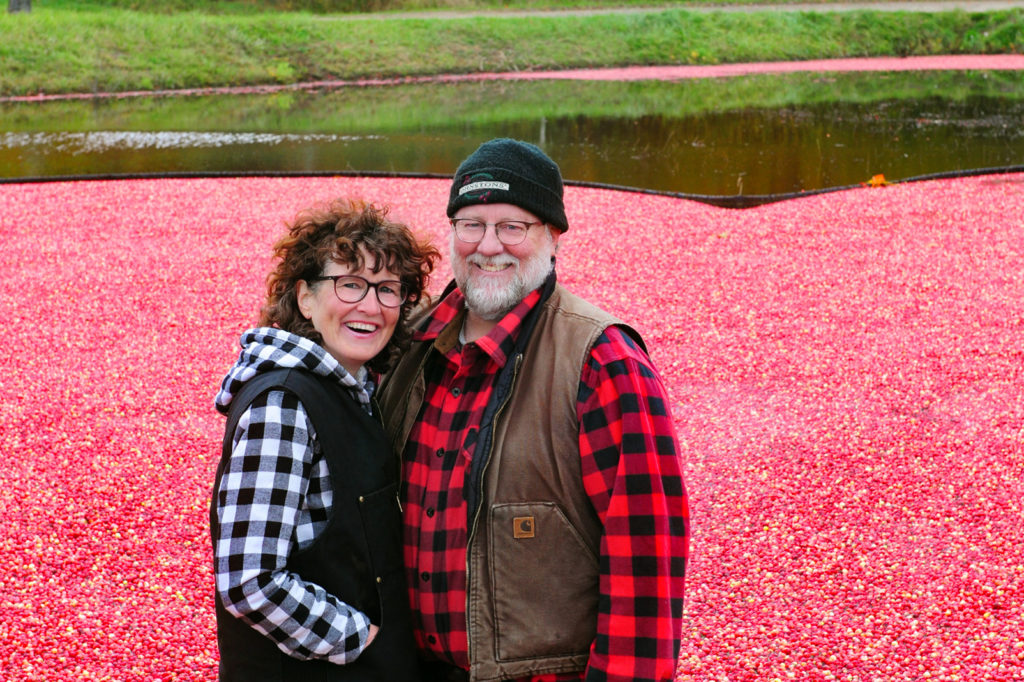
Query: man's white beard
x=493 y=300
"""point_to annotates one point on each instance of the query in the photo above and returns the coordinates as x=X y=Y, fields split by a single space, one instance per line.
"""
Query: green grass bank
x=111 y=45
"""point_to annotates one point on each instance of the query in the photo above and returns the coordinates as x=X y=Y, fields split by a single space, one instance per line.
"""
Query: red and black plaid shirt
x=631 y=472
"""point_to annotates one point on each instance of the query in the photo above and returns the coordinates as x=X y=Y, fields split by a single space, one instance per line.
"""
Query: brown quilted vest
x=534 y=537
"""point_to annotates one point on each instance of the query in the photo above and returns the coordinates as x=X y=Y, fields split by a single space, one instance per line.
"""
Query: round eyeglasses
x=510 y=232
x=352 y=289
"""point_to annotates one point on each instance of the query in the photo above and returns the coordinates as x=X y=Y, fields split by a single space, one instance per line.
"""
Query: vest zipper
x=480 y=505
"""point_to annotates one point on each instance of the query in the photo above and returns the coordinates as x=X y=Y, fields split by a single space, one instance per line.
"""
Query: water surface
x=751 y=135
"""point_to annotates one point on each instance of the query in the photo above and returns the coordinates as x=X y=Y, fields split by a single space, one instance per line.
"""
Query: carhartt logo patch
x=522 y=527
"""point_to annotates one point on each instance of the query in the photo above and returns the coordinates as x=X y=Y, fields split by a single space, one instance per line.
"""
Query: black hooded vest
x=358 y=555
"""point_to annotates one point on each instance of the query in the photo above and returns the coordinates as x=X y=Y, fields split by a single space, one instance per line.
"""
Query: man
x=546 y=527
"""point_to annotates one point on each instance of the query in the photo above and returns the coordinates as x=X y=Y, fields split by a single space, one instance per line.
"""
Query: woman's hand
x=373 y=633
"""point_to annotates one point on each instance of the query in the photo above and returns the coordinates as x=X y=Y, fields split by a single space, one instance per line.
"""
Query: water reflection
x=736 y=136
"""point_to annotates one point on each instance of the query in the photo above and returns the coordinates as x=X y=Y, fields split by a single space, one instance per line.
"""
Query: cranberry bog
x=844 y=368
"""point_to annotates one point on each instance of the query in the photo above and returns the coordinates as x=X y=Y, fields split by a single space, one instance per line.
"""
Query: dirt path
x=840 y=6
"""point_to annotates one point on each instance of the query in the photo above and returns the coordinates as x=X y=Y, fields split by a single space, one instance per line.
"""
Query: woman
x=305 y=518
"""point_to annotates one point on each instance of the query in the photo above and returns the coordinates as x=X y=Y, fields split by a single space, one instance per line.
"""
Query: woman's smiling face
x=354 y=333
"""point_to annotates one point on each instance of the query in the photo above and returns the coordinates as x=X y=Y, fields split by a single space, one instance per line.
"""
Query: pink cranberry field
x=845 y=371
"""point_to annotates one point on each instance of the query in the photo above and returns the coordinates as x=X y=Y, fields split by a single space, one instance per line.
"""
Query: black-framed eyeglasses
x=352 y=288
x=510 y=232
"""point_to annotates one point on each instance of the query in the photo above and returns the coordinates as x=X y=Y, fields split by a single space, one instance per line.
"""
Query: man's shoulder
x=619 y=342
x=566 y=304
x=615 y=332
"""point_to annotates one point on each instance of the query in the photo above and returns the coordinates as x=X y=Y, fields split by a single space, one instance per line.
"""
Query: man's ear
x=555 y=234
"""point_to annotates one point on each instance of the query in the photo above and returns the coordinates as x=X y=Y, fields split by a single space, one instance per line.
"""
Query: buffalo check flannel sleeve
x=632 y=471
x=264 y=504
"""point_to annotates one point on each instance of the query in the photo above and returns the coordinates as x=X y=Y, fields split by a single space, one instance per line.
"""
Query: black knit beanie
x=505 y=171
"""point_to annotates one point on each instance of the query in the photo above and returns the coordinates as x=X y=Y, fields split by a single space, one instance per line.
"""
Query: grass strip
x=115 y=50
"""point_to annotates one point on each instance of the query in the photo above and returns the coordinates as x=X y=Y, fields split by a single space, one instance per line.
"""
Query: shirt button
x=440 y=452
x=456 y=391
x=432 y=639
x=425 y=576
x=430 y=513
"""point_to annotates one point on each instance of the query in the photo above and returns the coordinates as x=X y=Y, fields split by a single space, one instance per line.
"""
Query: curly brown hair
x=338 y=231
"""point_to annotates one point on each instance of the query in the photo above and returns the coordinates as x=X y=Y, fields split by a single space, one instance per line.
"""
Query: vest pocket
x=545 y=582
x=382 y=527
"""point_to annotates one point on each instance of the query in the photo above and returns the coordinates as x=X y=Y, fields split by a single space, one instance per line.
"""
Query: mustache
x=501 y=259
